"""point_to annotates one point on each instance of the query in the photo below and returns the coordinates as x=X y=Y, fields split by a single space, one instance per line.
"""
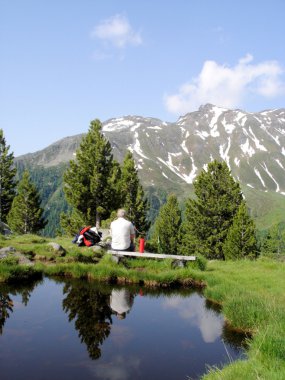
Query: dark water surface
x=79 y=330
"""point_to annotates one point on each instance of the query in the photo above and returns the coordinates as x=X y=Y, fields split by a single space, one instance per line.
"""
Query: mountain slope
x=170 y=155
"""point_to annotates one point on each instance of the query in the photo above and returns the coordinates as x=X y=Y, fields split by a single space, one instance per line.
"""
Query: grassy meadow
x=251 y=293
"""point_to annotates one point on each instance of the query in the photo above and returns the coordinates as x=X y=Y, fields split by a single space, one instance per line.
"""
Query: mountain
x=169 y=156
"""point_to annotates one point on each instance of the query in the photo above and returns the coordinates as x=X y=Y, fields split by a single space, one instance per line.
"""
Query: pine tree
x=274 y=241
x=7 y=178
x=26 y=215
x=89 y=182
x=210 y=215
x=241 y=239
x=132 y=193
x=167 y=225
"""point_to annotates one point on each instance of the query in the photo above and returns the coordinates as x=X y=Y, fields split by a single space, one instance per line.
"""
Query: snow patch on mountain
x=217 y=111
x=271 y=176
x=258 y=145
x=229 y=128
x=202 y=134
x=136 y=147
x=224 y=152
x=247 y=149
x=117 y=124
x=279 y=163
x=259 y=176
x=155 y=127
x=184 y=147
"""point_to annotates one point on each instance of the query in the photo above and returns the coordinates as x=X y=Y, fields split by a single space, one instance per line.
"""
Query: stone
x=116 y=259
x=96 y=248
x=178 y=264
x=22 y=259
x=6 y=250
x=57 y=248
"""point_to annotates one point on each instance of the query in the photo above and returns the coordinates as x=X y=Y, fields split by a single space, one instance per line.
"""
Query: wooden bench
x=176 y=258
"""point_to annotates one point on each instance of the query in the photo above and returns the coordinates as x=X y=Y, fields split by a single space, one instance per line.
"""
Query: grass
x=250 y=293
x=252 y=297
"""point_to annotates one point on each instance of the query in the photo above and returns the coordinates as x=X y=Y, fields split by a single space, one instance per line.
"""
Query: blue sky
x=64 y=63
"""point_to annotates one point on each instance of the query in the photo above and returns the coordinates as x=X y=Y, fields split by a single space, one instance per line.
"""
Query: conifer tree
x=210 y=215
x=89 y=181
x=167 y=225
x=26 y=215
x=132 y=193
x=241 y=239
x=7 y=178
x=274 y=241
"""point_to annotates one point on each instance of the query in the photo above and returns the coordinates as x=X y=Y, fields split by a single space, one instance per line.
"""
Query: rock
x=116 y=259
x=22 y=259
x=57 y=248
x=96 y=248
x=3 y=256
x=6 y=250
x=178 y=264
x=4 y=229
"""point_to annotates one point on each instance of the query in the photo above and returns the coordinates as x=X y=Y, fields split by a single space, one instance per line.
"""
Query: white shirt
x=121 y=301
x=121 y=231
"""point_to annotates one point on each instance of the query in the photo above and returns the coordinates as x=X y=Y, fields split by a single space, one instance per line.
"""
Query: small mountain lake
x=54 y=329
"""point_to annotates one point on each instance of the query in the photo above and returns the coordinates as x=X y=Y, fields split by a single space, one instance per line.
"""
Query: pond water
x=54 y=329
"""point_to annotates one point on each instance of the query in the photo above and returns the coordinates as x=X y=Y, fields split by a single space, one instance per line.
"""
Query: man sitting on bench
x=122 y=233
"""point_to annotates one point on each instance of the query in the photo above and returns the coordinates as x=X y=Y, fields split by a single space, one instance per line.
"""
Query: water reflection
x=121 y=301
x=90 y=309
x=24 y=289
x=209 y=324
x=129 y=332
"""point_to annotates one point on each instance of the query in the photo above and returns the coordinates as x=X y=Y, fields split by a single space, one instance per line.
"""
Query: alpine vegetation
x=95 y=185
x=26 y=214
x=7 y=178
x=217 y=215
x=166 y=237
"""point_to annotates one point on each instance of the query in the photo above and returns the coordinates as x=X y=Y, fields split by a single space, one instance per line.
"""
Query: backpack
x=90 y=236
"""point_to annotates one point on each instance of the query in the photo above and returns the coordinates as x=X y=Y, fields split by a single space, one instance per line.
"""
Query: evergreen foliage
x=273 y=243
x=132 y=195
x=90 y=181
x=241 y=240
x=167 y=225
x=48 y=181
x=7 y=178
x=209 y=216
x=26 y=215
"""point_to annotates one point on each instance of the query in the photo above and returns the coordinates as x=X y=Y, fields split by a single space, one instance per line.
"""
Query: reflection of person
x=122 y=233
x=121 y=302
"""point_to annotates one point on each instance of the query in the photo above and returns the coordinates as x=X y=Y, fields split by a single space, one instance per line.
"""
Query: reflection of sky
x=192 y=309
x=117 y=367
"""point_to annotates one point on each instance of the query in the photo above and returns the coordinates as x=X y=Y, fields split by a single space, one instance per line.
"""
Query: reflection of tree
x=89 y=307
x=6 y=306
x=25 y=289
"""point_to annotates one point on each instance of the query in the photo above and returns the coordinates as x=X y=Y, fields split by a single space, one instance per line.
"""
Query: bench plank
x=152 y=255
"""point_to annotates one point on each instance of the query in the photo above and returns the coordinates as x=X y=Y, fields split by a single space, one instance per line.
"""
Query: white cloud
x=117 y=32
x=193 y=310
x=228 y=86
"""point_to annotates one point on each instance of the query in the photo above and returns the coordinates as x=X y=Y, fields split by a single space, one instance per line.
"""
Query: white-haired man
x=122 y=233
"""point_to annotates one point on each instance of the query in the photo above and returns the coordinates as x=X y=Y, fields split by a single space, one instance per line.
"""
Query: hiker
x=121 y=301
x=122 y=233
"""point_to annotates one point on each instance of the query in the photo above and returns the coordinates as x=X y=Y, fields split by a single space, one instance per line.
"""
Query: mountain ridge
x=169 y=155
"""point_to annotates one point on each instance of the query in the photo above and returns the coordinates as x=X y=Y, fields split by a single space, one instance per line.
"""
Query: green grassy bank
x=251 y=293
x=253 y=299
